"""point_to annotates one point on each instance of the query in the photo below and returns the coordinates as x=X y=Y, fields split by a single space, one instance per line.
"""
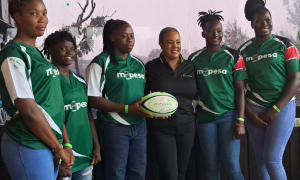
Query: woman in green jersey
x=60 y=47
x=273 y=68
x=220 y=75
x=31 y=94
x=116 y=84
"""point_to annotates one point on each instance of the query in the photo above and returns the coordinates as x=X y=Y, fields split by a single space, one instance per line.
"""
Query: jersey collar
x=263 y=44
x=162 y=58
x=217 y=52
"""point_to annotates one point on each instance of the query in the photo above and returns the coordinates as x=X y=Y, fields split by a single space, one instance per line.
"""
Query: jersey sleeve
x=291 y=57
x=17 y=78
x=239 y=70
x=95 y=78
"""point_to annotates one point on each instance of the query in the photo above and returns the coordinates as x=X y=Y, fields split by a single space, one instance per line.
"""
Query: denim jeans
x=84 y=174
x=26 y=163
x=124 y=151
x=269 y=143
x=219 y=146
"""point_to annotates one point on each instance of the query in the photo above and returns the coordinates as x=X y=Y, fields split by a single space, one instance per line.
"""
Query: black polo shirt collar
x=162 y=58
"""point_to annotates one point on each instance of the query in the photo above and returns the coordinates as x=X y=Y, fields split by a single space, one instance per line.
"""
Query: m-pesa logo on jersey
x=207 y=72
x=53 y=72
x=259 y=57
x=74 y=106
x=129 y=76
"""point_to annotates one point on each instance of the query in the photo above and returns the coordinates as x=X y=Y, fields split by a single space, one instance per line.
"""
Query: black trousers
x=172 y=147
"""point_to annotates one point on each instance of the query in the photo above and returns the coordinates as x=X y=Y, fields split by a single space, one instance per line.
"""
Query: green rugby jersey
x=76 y=120
x=215 y=77
x=25 y=73
x=269 y=66
x=123 y=84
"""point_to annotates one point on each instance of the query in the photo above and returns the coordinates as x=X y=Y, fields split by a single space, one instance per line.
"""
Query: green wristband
x=241 y=119
x=126 y=109
x=68 y=145
x=276 y=108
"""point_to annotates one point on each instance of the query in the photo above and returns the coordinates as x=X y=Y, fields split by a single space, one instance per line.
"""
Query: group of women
x=49 y=105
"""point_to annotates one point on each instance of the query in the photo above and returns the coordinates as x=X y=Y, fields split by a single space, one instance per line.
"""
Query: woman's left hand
x=269 y=116
x=96 y=158
x=239 y=132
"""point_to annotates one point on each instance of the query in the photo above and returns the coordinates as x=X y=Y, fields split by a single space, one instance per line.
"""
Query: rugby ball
x=159 y=104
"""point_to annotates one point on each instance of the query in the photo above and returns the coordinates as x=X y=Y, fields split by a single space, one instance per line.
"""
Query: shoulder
x=137 y=59
x=12 y=52
x=245 y=45
x=78 y=77
x=100 y=59
x=152 y=62
x=195 y=54
x=284 y=41
x=232 y=52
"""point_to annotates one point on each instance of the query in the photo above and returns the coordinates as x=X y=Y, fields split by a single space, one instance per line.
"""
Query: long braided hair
x=110 y=27
x=253 y=8
x=210 y=16
x=56 y=38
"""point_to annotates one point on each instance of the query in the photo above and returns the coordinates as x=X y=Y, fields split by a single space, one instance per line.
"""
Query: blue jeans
x=269 y=143
x=26 y=163
x=84 y=174
x=124 y=151
x=218 y=146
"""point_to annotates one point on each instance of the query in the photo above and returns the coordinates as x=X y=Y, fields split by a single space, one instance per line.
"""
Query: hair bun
x=252 y=7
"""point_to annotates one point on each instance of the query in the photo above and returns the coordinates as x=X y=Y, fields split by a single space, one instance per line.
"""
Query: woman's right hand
x=255 y=120
x=64 y=157
x=134 y=109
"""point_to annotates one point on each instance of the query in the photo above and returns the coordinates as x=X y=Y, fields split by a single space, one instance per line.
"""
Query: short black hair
x=210 y=16
x=164 y=31
x=56 y=38
x=16 y=6
x=110 y=27
x=253 y=8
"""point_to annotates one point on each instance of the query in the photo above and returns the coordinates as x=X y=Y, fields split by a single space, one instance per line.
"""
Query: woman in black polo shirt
x=172 y=138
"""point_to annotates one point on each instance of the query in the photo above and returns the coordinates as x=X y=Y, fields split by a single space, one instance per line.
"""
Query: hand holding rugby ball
x=159 y=104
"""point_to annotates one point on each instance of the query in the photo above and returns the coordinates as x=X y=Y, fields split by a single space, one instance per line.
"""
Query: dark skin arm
x=289 y=91
x=239 y=87
x=105 y=105
x=67 y=149
x=96 y=158
x=39 y=126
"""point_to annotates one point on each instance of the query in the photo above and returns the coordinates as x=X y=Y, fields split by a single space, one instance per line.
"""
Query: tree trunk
x=77 y=65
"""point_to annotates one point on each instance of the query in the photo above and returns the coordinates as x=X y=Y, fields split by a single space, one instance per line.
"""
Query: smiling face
x=171 y=45
x=32 y=20
x=263 y=24
x=213 y=33
x=123 y=39
x=63 y=54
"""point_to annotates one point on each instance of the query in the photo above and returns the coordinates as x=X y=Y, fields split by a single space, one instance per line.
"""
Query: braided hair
x=56 y=38
x=211 y=16
x=109 y=28
x=253 y=8
x=165 y=31
x=16 y=6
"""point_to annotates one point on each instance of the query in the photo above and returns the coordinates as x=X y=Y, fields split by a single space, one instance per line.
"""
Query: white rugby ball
x=159 y=104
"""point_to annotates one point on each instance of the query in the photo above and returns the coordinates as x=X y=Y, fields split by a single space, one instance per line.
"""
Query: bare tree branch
x=80 y=5
x=93 y=8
